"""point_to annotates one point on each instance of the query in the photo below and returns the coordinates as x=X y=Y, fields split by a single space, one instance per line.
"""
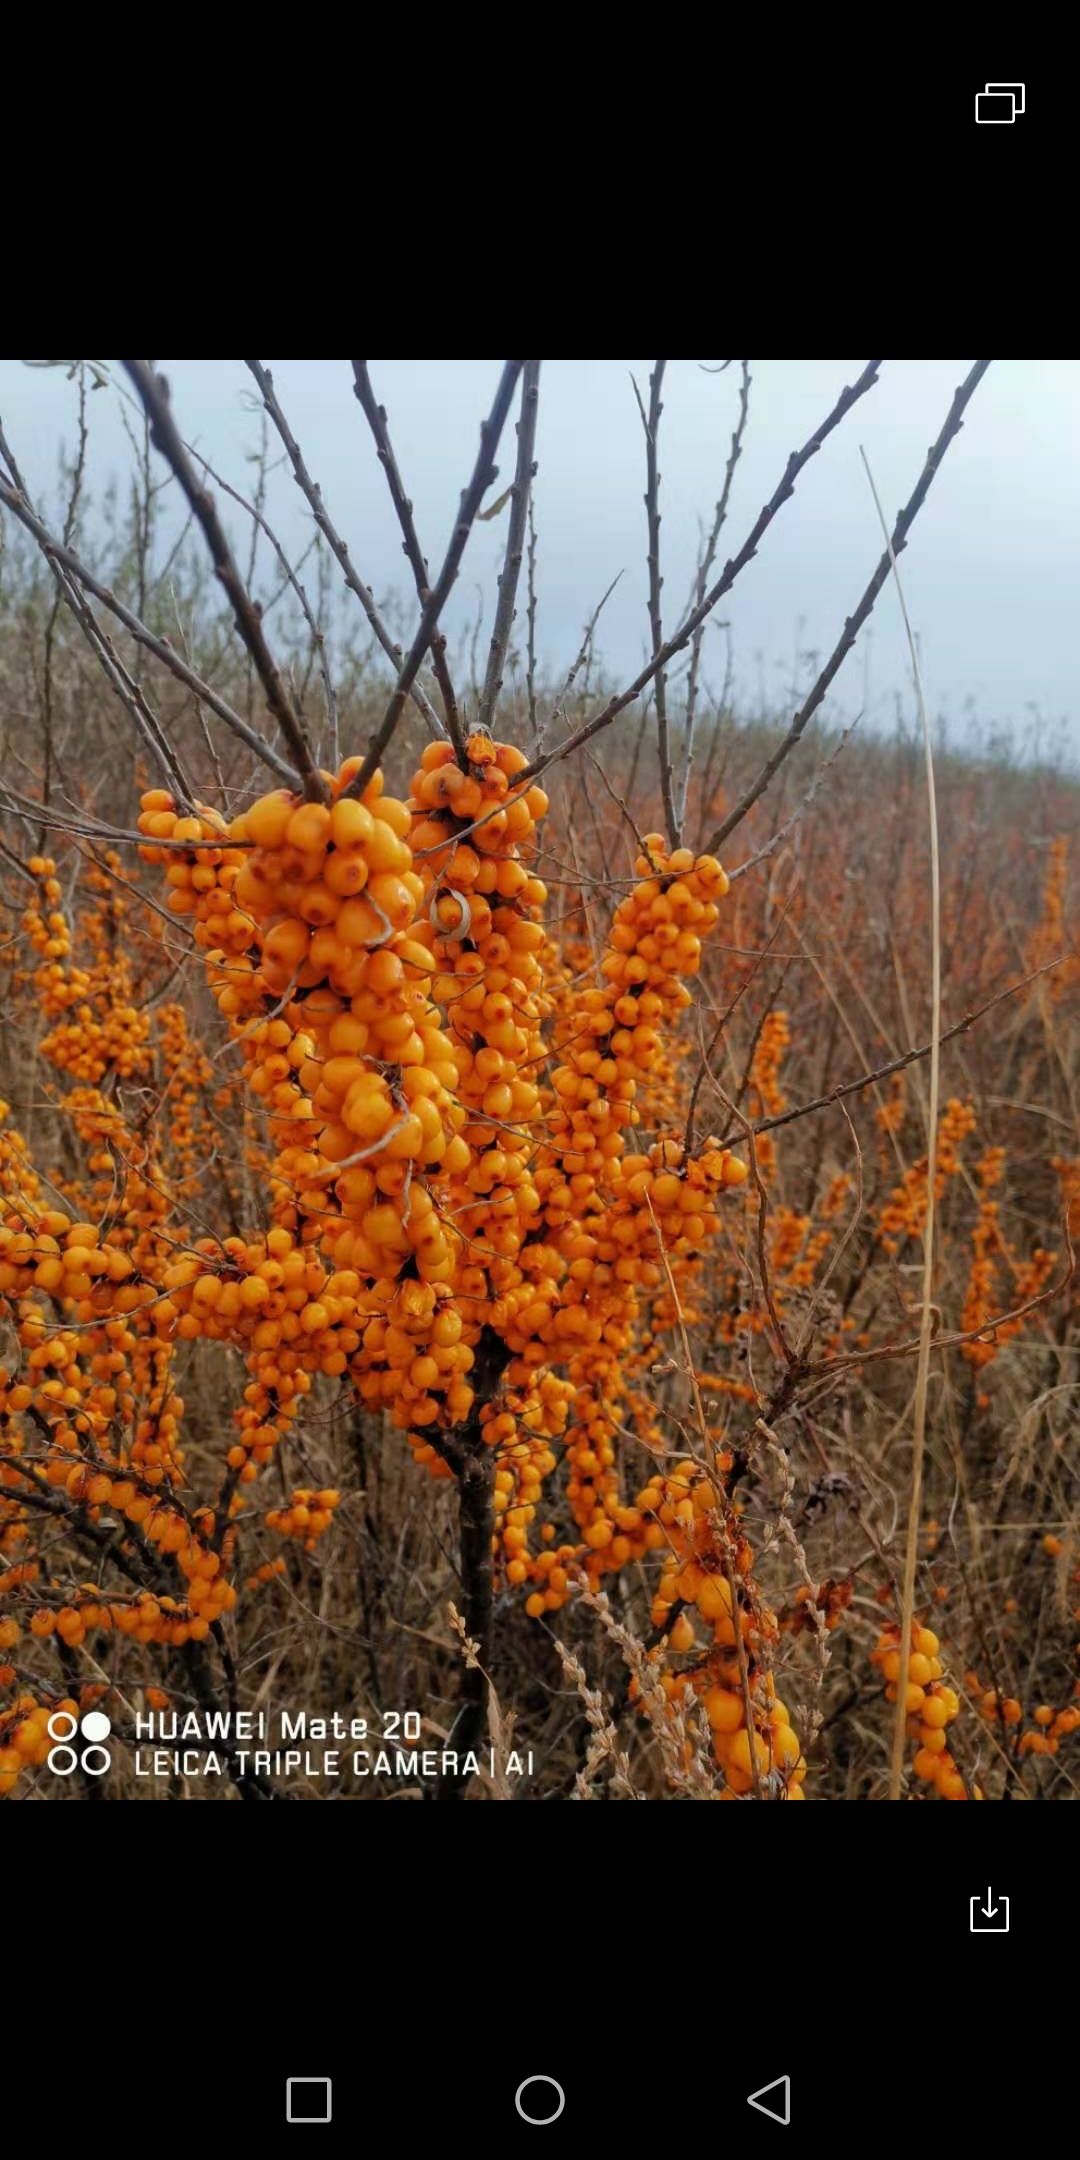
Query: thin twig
x=337 y=546
x=953 y=423
x=54 y=550
x=484 y=473
x=165 y=436
x=786 y=488
x=375 y=414
x=530 y=669
x=707 y=560
x=520 y=496
x=260 y=523
x=576 y=665
x=147 y=725
x=651 y=423
x=908 y=1057
x=800 y=809
x=922 y=1370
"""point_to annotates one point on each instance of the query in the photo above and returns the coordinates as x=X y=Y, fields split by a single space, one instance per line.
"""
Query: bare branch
x=55 y=551
x=683 y=635
x=520 y=497
x=484 y=473
x=707 y=560
x=951 y=428
x=584 y=651
x=530 y=673
x=909 y=1057
x=260 y=523
x=147 y=725
x=375 y=414
x=337 y=546
x=800 y=809
x=165 y=436
x=651 y=423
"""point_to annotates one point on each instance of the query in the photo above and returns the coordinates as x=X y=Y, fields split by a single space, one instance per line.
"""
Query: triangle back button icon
x=774 y=2100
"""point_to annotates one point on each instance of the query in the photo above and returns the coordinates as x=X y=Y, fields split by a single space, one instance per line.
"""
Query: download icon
x=989 y=1915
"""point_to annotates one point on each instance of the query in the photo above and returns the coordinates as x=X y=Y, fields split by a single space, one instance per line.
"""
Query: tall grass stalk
x=918 y=1437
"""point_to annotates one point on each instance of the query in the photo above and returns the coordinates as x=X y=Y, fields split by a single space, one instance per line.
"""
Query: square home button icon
x=307 y=2100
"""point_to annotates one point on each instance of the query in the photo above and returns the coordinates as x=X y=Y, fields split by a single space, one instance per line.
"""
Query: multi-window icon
x=1000 y=104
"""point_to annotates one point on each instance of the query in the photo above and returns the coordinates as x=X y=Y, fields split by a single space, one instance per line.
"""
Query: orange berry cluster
x=1048 y=1727
x=69 y=1260
x=103 y=1030
x=612 y=1037
x=307 y=1515
x=313 y=912
x=24 y=1737
x=904 y=1213
x=45 y=923
x=267 y=1572
x=766 y=1095
x=931 y=1705
x=662 y=1204
x=611 y=1218
x=473 y=833
x=990 y=1251
x=572 y=1286
x=707 y=1585
x=1053 y=938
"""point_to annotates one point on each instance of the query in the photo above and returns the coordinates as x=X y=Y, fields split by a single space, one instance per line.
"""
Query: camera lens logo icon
x=65 y=1755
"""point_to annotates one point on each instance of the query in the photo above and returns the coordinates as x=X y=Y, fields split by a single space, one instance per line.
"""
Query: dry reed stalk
x=922 y=1370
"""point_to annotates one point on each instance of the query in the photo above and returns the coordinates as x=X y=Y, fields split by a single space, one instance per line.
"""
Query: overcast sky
x=990 y=572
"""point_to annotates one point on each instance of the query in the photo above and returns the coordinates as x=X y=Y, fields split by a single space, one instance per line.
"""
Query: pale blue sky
x=990 y=572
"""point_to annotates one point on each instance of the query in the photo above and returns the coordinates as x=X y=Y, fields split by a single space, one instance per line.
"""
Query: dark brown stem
x=474 y=1464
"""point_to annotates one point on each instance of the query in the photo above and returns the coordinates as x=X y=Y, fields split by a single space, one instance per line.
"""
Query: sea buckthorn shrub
x=383 y=1143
